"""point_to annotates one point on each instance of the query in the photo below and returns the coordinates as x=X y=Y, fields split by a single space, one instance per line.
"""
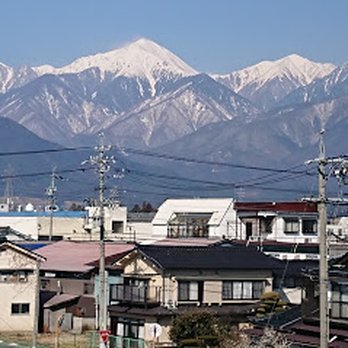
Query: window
x=266 y=224
x=132 y=328
x=309 y=226
x=117 y=227
x=188 y=225
x=242 y=290
x=20 y=308
x=291 y=225
x=188 y=291
x=340 y=301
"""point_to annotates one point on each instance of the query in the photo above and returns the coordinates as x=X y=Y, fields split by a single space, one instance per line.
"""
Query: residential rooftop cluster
x=214 y=255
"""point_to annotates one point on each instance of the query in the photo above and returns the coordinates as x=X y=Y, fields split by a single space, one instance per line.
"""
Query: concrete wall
x=27 y=225
x=67 y=227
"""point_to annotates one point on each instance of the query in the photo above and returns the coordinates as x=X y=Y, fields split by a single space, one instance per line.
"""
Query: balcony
x=135 y=294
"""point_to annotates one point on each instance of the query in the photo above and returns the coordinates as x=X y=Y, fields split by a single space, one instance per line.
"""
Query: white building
x=193 y=218
x=290 y=222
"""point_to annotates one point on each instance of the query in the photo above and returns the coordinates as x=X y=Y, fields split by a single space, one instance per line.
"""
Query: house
x=305 y=331
x=194 y=218
x=291 y=222
x=161 y=281
x=70 y=284
x=19 y=287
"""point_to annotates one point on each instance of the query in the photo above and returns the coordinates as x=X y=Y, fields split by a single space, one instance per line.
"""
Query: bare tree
x=269 y=339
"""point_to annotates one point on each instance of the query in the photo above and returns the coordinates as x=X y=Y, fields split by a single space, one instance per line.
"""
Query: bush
x=192 y=325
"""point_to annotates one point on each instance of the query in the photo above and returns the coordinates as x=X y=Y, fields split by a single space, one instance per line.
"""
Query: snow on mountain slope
x=334 y=85
x=14 y=77
x=142 y=58
x=192 y=103
x=269 y=81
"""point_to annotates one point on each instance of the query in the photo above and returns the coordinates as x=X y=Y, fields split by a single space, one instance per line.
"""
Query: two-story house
x=19 y=288
x=162 y=281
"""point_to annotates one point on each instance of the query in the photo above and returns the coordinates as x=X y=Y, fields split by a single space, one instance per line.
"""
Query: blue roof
x=63 y=214
x=32 y=246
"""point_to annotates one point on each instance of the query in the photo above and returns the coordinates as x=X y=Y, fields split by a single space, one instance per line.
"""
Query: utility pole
x=338 y=167
x=51 y=193
x=103 y=164
x=323 y=248
x=36 y=305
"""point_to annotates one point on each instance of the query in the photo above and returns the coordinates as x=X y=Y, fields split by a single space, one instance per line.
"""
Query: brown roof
x=295 y=207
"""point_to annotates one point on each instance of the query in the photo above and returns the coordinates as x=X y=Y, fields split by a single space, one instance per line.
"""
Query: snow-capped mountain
x=142 y=59
x=268 y=82
x=142 y=95
x=141 y=90
x=191 y=103
x=15 y=77
x=332 y=86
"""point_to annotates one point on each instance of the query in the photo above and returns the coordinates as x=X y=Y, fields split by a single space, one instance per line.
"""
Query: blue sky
x=212 y=36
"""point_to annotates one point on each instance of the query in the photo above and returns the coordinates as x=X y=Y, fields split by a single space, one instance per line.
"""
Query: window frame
x=189 y=289
x=241 y=290
x=314 y=224
x=292 y=221
x=22 y=308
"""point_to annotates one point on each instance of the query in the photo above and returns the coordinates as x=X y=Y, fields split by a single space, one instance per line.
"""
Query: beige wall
x=70 y=286
x=212 y=292
x=71 y=227
x=16 y=291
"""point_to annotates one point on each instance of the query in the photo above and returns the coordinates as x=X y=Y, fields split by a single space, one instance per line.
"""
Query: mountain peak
x=142 y=57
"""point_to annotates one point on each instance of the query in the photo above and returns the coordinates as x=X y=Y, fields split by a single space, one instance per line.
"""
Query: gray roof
x=209 y=257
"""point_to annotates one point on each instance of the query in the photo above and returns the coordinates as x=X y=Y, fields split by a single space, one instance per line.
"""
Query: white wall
x=27 y=225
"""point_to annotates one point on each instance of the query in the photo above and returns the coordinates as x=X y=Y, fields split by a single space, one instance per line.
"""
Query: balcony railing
x=141 y=295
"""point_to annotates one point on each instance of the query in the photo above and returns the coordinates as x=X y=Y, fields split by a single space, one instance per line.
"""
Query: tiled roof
x=209 y=257
x=76 y=256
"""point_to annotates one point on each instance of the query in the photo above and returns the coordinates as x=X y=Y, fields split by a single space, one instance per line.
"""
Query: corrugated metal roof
x=59 y=299
x=73 y=256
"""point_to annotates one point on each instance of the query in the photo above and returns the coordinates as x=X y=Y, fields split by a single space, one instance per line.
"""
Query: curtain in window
x=193 y=291
x=237 y=290
x=258 y=289
x=247 y=290
x=227 y=293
